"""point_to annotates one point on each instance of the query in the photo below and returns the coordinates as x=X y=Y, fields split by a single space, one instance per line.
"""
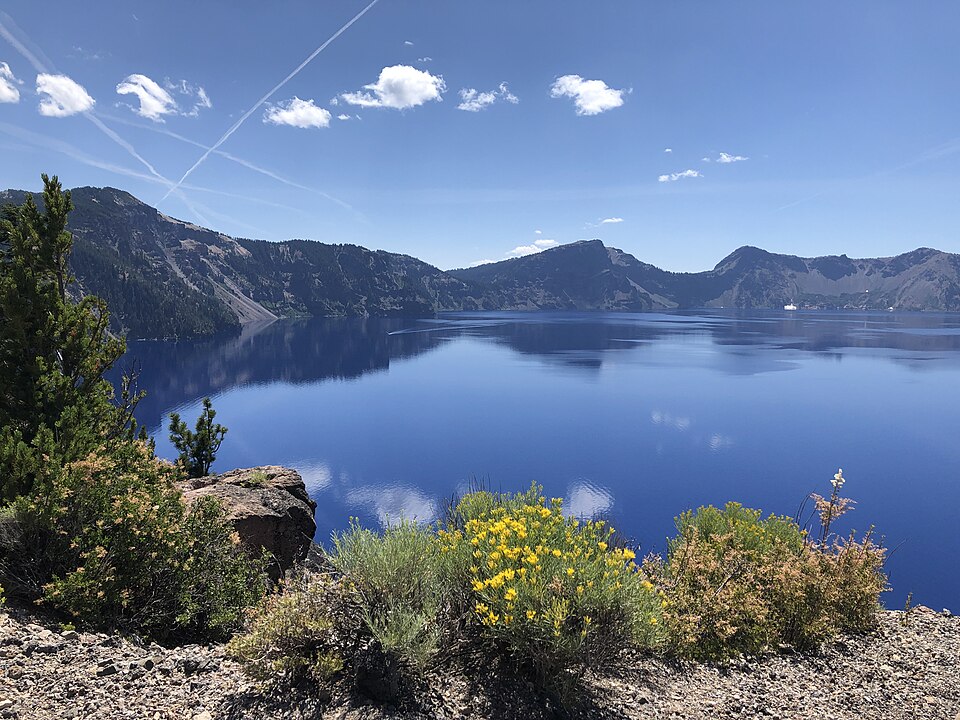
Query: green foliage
x=291 y=635
x=110 y=541
x=147 y=299
x=393 y=578
x=735 y=582
x=554 y=591
x=512 y=576
x=55 y=405
x=94 y=526
x=198 y=448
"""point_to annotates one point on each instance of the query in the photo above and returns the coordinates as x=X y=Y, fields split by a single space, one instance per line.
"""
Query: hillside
x=589 y=276
x=163 y=277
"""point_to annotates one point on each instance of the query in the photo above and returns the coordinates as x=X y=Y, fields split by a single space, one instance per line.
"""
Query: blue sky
x=479 y=131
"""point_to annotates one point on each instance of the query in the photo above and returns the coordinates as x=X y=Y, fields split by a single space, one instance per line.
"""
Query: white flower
x=838 y=479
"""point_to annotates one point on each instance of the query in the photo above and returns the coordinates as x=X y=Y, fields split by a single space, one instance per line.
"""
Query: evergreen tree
x=55 y=405
x=198 y=449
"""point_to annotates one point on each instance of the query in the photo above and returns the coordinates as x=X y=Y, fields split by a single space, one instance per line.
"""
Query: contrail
x=64 y=148
x=38 y=65
x=42 y=67
x=233 y=158
x=801 y=200
x=261 y=101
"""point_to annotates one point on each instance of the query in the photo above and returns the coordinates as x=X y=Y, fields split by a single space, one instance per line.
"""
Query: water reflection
x=586 y=500
x=291 y=351
x=304 y=351
x=636 y=417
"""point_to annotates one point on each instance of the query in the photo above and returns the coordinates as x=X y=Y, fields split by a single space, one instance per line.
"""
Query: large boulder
x=268 y=506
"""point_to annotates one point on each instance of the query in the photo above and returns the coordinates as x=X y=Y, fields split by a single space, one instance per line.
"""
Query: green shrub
x=109 y=541
x=552 y=590
x=735 y=582
x=291 y=635
x=393 y=578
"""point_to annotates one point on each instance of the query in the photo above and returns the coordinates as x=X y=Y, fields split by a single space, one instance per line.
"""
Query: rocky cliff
x=163 y=277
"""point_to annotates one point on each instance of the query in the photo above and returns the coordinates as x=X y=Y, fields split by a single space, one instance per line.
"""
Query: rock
x=6 y=704
x=268 y=506
x=107 y=670
x=203 y=716
x=69 y=635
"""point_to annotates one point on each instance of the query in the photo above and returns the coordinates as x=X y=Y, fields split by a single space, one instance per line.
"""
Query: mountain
x=163 y=277
x=584 y=275
x=589 y=276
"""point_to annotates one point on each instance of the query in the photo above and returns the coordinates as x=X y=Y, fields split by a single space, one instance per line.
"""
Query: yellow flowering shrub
x=554 y=591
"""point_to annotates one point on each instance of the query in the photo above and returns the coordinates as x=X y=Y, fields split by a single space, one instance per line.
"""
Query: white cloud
x=668 y=150
x=407 y=42
x=474 y=101
x=8 y=85
x=727 y=158
x=673 y=177
x=343 y=116
x=477 y=263
x=706 y=159
x=591 y=97
x=425 y=58
x=154 y=100
x=60 y=96
x=297 y=113
x=611 y=220
x=157 y=101
x=196 y=93
x=203 y=100
x=537 y=246
x=539 y=232
x=399 y=87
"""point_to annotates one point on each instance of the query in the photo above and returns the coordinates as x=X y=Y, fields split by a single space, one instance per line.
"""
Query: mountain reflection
x=312 y=350
x=290 y=351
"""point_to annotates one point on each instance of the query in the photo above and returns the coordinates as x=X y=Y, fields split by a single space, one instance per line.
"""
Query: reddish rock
x=269 y=507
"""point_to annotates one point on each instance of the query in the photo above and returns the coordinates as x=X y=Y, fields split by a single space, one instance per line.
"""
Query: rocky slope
x=909 y=668
x=163 y=277
x=589 y=276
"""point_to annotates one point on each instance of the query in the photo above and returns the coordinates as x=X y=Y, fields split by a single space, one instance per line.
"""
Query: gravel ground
x=908 y=668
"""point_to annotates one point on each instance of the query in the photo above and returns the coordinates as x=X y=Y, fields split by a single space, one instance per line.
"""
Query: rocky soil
x=908 y=668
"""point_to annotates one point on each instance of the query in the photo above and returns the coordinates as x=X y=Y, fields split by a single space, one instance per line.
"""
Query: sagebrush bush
x=109 y=541
x=291 y=634
x=393 y=578
x=551 y=589
x=739 y=583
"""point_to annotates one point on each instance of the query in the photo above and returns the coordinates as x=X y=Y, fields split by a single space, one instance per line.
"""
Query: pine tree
x=198 y=449
x=55 y=404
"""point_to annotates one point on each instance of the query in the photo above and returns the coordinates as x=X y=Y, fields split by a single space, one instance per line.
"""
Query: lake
x=633 y=416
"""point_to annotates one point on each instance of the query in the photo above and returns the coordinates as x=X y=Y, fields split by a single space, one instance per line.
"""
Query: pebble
x=908 y=668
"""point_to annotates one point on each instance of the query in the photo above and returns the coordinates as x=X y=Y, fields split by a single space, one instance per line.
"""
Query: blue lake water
x=635 y=416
